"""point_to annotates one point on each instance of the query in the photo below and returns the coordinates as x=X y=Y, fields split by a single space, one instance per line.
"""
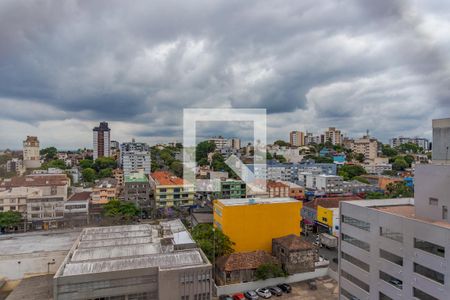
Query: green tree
x=269 y=156
x=386 y=150
x=375 y=195
x=212 y=241
x=390 y=173
x=88 y=174
x=361 y=179
x=104 y=163
x=399 y=164
x=120 y=209
x=218 y=164
x=281 y=143
x=177 y=168
x=105 y=173
x=348 y=172
x=280 y=158
x=409 y=148
x=399 y=190
x=10 y=218
x=57 y=163
x=50 y=153
x=86 y=163
x=323 y=160
x=202 y=150
x=409 y=159
x=359 y=157
x=269 y=270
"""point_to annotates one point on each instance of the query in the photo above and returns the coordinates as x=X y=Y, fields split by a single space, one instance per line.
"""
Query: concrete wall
x=441 y=140
x=242 y=287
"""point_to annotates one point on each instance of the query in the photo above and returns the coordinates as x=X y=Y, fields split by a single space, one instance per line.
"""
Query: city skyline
x=63 y=69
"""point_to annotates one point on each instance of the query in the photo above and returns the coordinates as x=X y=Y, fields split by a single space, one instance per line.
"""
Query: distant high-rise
x=333 y=135
x=134 y=157
x=102 y=144
x=31 y=156
x=441 y=140
x=297 y=138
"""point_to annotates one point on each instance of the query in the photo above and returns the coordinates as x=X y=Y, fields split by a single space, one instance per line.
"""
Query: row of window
x=393 y=235
x=419 y=294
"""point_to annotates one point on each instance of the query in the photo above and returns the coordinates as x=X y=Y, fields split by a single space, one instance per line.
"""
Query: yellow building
x=170 y=190
x=252 y=223
x=329 y=218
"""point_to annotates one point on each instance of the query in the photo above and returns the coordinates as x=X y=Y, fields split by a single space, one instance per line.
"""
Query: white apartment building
x=15 y=165
x=398 y=248
x=333 y=135
x=234 y=143
x=31 y=155
x=377 y=169
x=219 y=141
x=421 y=142
x=366 y=146
x=329 y=184
x=135 y=157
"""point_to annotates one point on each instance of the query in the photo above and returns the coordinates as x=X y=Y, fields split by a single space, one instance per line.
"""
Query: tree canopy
x=10 y=218
x=212 y=241
x=50 y=153
x=104 y=163
x=348 y=172
x=386 y=150
x=281 y=143
x=399 y=164
x=269 y=270
x=120 y=209
x=88 y=174
x=202 y=150
x=57 y=163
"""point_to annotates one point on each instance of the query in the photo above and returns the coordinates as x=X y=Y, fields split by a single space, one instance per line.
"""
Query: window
x=422 y=295
x=162 y=190
x=324 y=219
x=355 y=261
x=429 y=247
x=355 y=281
x=444 y=212
x=382 y=296
x=348 y=295
x=429 y=273
x=356 y=242
x=433 y=201
x=355 y=222
x=391 y=234
x=397 y=283
x=391 y=257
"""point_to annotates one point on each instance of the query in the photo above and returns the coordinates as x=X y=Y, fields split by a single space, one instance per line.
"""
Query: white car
x=264 y=293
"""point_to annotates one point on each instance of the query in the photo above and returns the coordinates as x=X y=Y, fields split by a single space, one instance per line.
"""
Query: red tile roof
x=244 y=260
x=166 y=178
x=294 y=242
x=332 y=202
x=80 y=196
x=275 y=184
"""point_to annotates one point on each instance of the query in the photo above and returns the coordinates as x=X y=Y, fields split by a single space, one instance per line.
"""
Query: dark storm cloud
x=142 y=63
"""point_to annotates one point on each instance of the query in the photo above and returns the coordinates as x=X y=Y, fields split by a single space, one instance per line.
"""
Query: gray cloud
x=310 y=64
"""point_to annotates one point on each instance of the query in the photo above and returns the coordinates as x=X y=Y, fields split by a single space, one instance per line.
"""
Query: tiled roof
x=275 y=184
x=166 y=178
x=329 y=202
x=294 y=242
x=80 y=196
x=244 y=260
x=35 y=180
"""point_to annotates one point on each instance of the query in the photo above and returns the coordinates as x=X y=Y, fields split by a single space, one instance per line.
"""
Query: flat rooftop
x=119 y=248
x=403 y=207
x=253 y=201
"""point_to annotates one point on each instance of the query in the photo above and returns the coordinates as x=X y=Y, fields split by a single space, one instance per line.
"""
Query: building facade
x=367 y=146
x=137 y=190
x=441 y=141
x=295 y=254
x=170 y=190
x=297 y=138
x=333 y=135
x=102 y=140
x=398 y=248
x=232 y=189
x=31 y=155
x=420 y=142
x=252 y=223
x=134 y=157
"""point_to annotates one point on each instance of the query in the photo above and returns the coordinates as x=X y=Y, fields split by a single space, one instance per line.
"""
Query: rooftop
x=82 y=196
x=136 y=177
x=244 y=260
x=35 y=180
x=254 y=201
x=331 y=202
x=294 y=243
x=166 y=178
x=119 y=248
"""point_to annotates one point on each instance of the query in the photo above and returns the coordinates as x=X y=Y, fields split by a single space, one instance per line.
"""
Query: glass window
x=429 y=273
x=429 y=247
x=355 y=222
x=355 y=261
x=444 y=212
x=391 y=280
x=391 y=234
x=384 y=297
x=391 y=257
x=422 y=295
x=433 y=201
x=348 y=295
x=356 y=242
x=355 y=280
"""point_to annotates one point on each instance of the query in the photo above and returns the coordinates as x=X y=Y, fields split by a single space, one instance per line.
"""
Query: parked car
x=285 y=287
x=251 y=295
x=264 y=293
x=238 y=296
x=225 y=297
x=274 y=290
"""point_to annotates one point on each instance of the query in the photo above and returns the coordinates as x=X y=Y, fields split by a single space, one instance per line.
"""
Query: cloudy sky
x=66 y=65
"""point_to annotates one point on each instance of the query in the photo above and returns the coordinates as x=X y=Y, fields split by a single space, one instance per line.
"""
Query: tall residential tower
x=102 y=137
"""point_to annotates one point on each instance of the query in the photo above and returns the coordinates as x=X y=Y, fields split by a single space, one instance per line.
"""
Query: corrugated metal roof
x=115 y=252
x=114 y=242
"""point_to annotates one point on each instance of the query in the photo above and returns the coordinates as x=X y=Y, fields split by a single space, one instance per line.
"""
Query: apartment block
x=252 y=223
x=441 y=141
x=134 y=157
x=15 y=165
x=367 y=146
x=277 y=189
x=170 y=190
x=31 y=155
x=134 y=262
x=76 y=209
x=232 y=189
x=398 y=248
x=137 y=189
x=297 y=138
x=102 y=140
x=328 y=184
x=333 y=135
x=420 y=142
